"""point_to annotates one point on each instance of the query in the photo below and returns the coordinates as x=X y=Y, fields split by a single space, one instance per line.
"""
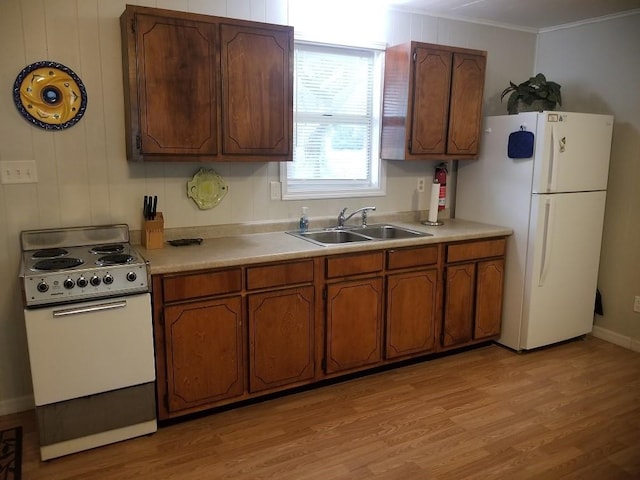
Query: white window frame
x=316 y=189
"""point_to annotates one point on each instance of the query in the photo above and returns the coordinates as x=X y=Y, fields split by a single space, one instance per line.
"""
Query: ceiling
x=529 y=14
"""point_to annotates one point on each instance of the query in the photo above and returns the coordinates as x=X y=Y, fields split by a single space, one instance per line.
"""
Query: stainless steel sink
x=332 y=236
x=388 y=232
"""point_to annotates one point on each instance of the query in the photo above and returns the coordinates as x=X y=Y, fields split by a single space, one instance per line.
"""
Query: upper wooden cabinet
x=204 y=88
x=432 y=107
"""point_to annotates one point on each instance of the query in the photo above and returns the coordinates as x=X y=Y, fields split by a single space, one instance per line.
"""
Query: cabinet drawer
x=412 y=257
x=183 y=287
x=280 y=274
x=354 y=264
x=474 y=250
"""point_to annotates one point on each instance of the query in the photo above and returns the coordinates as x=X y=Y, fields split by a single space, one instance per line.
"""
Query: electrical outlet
x=18 y=171
x=636 y=304
x=420 y=185
x=275 y=190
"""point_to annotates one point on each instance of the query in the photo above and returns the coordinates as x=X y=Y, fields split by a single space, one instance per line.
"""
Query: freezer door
x=572 y=152
x=562 y=267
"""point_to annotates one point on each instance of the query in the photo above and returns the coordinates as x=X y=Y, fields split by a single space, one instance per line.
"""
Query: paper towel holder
x=429 y=223
x=432 y=219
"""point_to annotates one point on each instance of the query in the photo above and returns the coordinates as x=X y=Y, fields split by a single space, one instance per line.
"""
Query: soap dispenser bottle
x=304 y=219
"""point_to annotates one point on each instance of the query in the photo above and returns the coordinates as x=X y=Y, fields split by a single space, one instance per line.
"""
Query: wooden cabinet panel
x=276 y=275
x=467 y=87
x=432 y=106
x=198 y=285
x=172 y=101
x=354 y=264
x=432 y=79
x=281 y=338
x=354 y=322
x=411 y=313
x=205 y=88
x=257 y=103
x=412 y=257
x=458 y=304
x=461 y=252
x=204 y=352
x=489 y=289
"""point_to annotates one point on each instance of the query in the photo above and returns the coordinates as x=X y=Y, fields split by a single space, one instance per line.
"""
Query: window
x=337 y=97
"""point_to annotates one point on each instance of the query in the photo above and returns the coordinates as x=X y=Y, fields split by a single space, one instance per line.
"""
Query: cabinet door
x=176 y=86
x=354 y=322
x=204 y=352
x=431 y=85
x=411 y=313
x=257 y=99
x=465 y=115
x=489 y=285
x=458 y=304
x=281 y=338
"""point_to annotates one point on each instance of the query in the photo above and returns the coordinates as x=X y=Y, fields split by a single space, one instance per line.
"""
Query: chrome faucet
x=364 y=210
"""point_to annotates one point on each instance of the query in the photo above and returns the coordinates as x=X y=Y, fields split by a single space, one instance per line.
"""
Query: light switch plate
x=18 y=171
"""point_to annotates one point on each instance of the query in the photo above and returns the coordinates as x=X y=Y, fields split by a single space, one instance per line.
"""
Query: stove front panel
x=84 y=283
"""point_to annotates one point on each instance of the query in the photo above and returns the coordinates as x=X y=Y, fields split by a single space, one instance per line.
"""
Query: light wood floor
x=567 y=412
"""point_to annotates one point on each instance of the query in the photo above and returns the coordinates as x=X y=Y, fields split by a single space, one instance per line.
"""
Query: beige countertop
x=250 y=248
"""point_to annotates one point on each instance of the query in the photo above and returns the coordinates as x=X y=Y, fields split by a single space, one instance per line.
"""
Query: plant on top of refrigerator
x=533 y=95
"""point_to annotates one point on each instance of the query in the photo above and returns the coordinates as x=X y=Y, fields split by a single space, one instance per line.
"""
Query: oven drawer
x=91 y=347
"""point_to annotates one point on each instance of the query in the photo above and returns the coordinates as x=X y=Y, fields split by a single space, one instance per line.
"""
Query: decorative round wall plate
x=207 y=189
x=50 y=95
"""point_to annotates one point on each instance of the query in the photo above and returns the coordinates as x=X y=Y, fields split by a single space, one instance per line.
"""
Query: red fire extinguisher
x=441 y=175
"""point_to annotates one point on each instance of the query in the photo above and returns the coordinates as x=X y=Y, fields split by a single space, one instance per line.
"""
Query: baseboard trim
x=15 y=405
x=616 y=338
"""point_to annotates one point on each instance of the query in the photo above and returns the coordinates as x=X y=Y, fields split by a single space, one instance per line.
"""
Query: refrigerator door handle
x=544 y=256
x=552 y=173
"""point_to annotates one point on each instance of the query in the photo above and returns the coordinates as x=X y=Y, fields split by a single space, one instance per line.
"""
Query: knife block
x=153 y=232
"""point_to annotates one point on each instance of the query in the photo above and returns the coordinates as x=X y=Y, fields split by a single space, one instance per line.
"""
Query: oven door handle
x=89 y=309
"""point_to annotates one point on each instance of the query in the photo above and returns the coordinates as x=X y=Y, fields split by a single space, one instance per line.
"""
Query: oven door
x=91 y=347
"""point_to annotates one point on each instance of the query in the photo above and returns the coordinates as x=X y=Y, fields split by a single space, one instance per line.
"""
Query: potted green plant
x=534 y=95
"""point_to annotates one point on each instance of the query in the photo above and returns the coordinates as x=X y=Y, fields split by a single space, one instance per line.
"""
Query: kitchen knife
x=154 y=208
x=145 y=208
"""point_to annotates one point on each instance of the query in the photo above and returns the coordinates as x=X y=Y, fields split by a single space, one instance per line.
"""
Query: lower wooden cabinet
x=490 y=284
x=229 y=334
x=354 y=324
x=457 y=327
x=204 y=352
x=281 y=338
x=411 y=313
x=474 y=277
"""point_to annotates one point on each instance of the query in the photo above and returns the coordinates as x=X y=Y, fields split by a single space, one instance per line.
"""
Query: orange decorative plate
x=50 y=95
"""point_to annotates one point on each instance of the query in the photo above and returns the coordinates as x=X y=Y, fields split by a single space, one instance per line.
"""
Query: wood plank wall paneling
x=566 y=412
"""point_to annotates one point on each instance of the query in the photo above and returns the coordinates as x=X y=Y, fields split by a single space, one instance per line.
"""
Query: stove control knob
x=82 y=282
x=95 y=281
x=131 y=276
x=42 y=286
x=69 y=284
x=108 y=279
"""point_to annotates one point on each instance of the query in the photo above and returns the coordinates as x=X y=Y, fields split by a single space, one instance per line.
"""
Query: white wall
x=84 y=177
x=598 y=66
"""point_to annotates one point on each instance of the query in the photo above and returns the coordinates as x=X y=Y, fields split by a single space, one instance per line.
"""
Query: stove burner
x=114 y=259
x=111 y=248
x=57 y=263
x=50 y=253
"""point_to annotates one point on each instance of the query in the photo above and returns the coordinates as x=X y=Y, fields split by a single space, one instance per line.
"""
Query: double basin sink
x=337 y=235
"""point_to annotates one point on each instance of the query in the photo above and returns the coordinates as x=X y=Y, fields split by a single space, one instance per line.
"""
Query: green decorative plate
x=207 y=189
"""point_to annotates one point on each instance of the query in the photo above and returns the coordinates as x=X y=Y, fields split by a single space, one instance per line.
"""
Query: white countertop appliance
x=89 y=331
x=553 y=198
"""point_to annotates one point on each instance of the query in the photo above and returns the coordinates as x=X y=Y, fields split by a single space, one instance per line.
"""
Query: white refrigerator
x=554 y=201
